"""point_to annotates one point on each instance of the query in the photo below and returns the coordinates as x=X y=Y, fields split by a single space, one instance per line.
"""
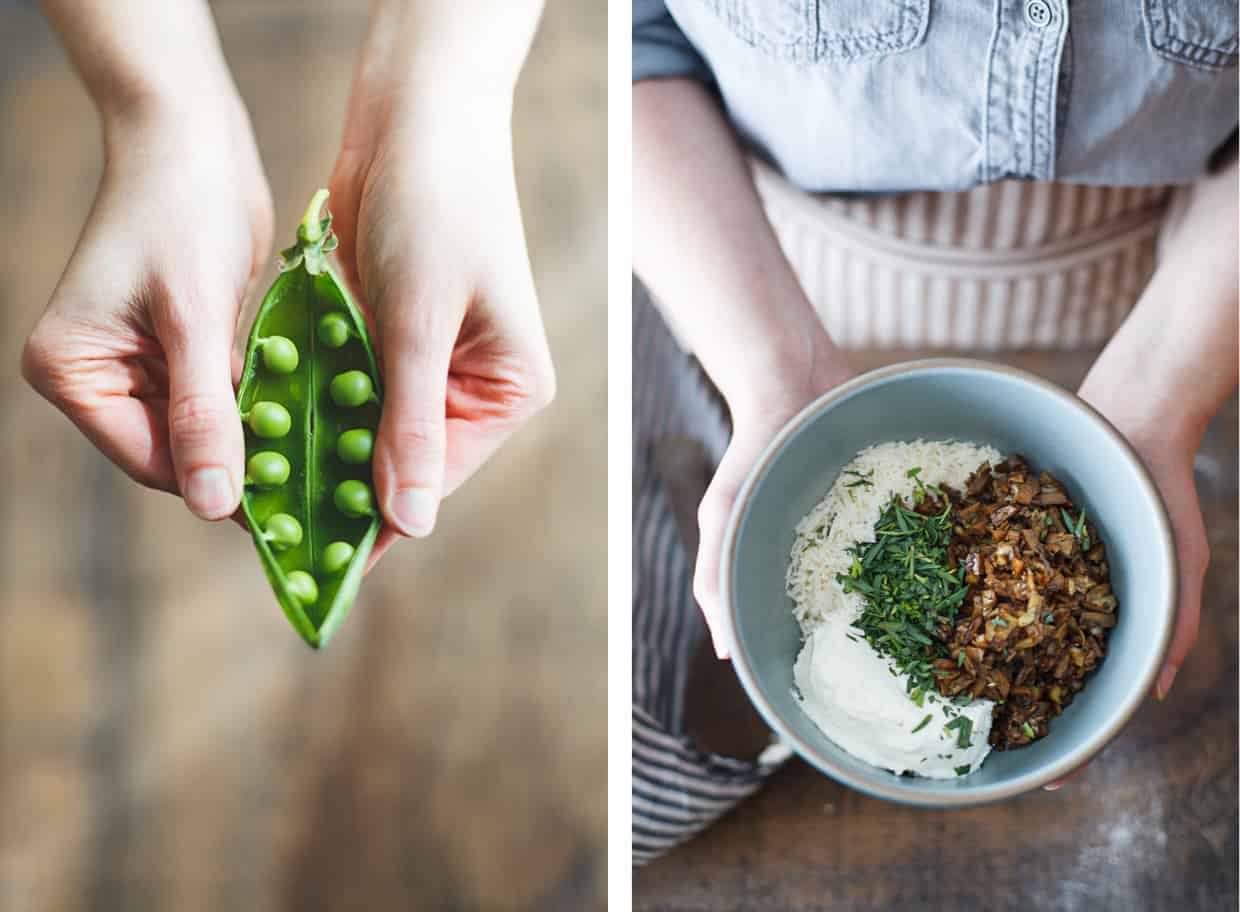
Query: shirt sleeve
x=660 y=48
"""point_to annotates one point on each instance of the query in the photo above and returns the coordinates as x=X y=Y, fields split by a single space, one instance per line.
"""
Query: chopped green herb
x=923 y=723
x=1028 y=730
x=1050 y=618
x=1076 y=528
x=904 y=605
x=961 y=770
x=861 y=479
x=964 y=730
x=999 y=622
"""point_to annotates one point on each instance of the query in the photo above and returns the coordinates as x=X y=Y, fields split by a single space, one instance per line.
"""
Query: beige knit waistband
x=1001 y=266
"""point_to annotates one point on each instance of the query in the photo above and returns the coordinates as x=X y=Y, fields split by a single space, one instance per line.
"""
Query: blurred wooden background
x=166 y=741
x=1151 y=824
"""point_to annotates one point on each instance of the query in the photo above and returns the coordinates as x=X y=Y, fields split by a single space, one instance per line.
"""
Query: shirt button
x=1038 y=13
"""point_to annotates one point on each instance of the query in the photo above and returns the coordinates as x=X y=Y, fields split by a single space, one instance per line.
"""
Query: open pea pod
x=310 y=402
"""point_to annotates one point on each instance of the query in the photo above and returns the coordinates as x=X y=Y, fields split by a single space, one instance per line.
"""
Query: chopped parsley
x=1077 y=528
x=860 y=479
x=923 y=723
x=961 y=770
x=907 y=588
x=964 y=730
x=1028 y=730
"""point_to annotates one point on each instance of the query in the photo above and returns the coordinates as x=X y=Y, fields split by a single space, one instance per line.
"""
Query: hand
x=425 y=207
x=755 y=422
x=1167 y=447
x=136 y=344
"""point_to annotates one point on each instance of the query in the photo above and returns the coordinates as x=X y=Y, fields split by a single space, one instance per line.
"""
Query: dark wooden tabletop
x=166 y=741
x=1150 y=825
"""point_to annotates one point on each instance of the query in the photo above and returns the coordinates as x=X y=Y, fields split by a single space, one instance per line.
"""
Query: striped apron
x=1003 y=266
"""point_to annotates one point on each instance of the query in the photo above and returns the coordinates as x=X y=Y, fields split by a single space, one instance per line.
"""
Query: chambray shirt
x=890 y=95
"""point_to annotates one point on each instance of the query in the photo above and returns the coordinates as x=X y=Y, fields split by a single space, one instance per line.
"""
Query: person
x=136 y=344
x=810 y=177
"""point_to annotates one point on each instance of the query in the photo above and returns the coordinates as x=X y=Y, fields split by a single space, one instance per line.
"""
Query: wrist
x=444 y=57
x=776 y=379
x=215 y=113
x=1144 y=409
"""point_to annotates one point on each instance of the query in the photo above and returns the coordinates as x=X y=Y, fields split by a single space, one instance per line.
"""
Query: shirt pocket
x=806 y=31
x=1200 y=33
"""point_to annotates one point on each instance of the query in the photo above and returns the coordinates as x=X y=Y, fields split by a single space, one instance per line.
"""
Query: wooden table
x=166 y=741
x=1150 y=825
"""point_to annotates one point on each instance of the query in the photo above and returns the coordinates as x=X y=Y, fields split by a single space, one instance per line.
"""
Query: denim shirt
x=890 y=95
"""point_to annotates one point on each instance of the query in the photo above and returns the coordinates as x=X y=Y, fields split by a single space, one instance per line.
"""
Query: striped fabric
x=1002 y=266
x=677 y=789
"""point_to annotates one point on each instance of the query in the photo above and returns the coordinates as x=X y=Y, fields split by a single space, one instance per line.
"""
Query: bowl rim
x=963 y=797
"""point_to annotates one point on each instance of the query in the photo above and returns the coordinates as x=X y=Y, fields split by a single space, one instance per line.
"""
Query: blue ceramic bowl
x=1015 y=412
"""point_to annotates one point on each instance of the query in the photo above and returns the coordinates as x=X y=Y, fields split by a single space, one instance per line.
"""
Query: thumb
x=713 y=513
x=411 y=449
x=204 y=433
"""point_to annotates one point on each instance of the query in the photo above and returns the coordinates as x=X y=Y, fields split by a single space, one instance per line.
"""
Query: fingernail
x=209 y=492
x=413 y=510
x=1165 y=680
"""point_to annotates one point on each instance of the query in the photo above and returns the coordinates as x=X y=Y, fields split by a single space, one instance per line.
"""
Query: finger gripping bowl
x=962 y=400
x=313 y=552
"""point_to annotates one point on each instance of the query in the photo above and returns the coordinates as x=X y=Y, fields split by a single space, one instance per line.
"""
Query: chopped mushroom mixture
x=1039 y=607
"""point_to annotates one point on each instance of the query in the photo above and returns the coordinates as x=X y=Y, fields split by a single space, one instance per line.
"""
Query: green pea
x=336 y=557
x=280 y=355
x=354 y=447
x=267 y=469
x=334 y=330
x=351 y=389
x=283 y=531
x=353 y=498
x=270 y=420
x=302 y=585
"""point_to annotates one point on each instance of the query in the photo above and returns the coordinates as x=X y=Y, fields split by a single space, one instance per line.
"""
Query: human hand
x=757 y=416
x=135 y=346
x=425 y=207
x=1167 y=443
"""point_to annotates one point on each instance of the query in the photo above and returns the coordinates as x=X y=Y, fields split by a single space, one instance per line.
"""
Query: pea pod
x=310 y=400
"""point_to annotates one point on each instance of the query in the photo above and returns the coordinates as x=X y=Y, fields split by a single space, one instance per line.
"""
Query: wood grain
x=166 y=741
x=1150 y=825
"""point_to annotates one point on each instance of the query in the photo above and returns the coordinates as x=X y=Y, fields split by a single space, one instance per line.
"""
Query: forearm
x=144 y=54
x=1174 y=361
x=456 y=59
x=703 y=246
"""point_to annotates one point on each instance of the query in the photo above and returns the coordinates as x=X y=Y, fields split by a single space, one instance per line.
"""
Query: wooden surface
x=1151 y=824
x=166 y=741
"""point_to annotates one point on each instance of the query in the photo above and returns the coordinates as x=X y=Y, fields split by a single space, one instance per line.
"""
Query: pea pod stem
x=311 y=224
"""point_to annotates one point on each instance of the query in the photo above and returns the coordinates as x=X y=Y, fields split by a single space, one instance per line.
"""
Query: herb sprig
x=1077 y=528
x=963 y=727
x=860 y=479
x=907 y=587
